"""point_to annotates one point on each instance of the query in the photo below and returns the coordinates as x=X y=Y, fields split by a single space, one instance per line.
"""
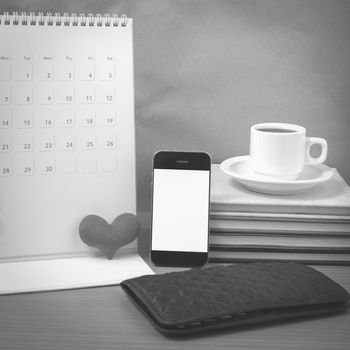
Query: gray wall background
x=206 y=70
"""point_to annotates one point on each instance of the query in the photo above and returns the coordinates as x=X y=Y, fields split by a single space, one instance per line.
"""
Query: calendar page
x=67 y=141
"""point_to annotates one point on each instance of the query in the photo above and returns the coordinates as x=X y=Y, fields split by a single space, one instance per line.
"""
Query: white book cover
x=310 y=258
x=284 y=217
x=329 y=198
x=261 y=240
x=276 y=226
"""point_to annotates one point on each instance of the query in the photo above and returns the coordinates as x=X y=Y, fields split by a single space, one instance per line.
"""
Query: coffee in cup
x=280 y=150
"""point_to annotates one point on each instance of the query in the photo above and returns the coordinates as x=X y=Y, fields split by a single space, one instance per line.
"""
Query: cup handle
x=310 y=141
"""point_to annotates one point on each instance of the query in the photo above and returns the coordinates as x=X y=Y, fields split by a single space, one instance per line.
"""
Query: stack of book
x=312 y=227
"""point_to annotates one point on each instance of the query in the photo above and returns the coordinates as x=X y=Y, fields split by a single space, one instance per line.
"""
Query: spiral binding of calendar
x=56 y=19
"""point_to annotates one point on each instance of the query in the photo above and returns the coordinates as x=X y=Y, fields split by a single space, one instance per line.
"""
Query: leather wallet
x=217 y=297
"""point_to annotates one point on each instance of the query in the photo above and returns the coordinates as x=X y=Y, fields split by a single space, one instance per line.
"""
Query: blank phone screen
x=180 y=210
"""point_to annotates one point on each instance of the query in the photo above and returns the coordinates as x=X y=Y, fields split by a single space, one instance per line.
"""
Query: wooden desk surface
x=104 y=318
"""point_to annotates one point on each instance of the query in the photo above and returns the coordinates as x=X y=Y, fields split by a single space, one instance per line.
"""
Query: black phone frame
x=184 y=161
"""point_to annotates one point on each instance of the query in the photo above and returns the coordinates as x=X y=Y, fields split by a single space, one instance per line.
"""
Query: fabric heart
x=109 y=238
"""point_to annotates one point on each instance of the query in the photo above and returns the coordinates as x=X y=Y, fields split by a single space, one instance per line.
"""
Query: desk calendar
x=67 y=144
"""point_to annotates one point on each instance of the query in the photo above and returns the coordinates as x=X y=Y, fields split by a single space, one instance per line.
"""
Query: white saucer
x=239 y=168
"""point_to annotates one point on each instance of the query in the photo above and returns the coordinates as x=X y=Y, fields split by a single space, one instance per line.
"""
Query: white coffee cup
x=281 y=151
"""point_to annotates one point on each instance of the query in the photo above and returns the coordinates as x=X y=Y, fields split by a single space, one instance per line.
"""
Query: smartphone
x=180 y=208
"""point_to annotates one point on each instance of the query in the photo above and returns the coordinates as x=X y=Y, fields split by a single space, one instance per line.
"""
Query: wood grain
x=104 y=318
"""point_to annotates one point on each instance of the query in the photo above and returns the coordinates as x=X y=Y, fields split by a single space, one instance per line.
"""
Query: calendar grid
x=51 y=127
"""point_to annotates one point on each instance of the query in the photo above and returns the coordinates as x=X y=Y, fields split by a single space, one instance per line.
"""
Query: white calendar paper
x=67 y=144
